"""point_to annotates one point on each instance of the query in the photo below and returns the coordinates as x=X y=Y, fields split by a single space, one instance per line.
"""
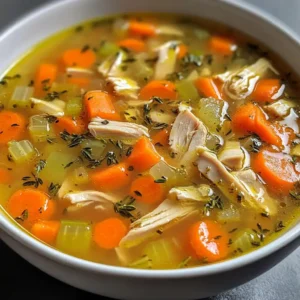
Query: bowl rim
x=59 y=257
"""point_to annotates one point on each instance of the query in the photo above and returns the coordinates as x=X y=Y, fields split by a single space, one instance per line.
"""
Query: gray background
x=20 y=280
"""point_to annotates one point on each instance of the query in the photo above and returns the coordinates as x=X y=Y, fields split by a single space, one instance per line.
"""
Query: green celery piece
x=80 y=176
x=21 y=97
x=245 y=240
x=21 y=151
x=74 y=107
x=142 y=263
x=96 y=146
x=74 y=237
x=163 y=253
x=107 y=48
x=40 y=130
x=187 y=90
x=55 y=169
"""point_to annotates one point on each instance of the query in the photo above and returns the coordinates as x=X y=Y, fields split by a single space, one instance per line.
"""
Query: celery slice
x=163 y=253
x=74 y=107
x=39 y=128
x=21 y=96
x=230 y=214
x=107 y=48
x=55 y=169
x=142 y=263
x=80 y=176
x=245 y=240
x=54 y=108
x=74 y=237
x=97 y=147
x=21 y=151
x=187 y=90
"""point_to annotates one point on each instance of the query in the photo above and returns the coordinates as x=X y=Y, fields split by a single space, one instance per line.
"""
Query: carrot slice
x=108 y=233
x=44 y=77
x=145 y=190
x=207 y=87
x=209 y=240
x=112 y=178
x=182 y=51
x=46 y=231
x=276 y=169
x=100 y=104
x=266 y=90
x=249 y=118
x=5 y=176
x=221 y=45
x=29 y=206
x=12 y=126
x=161 y=138
x=143 y=155
x=135 y=45
x=79 y=58
x=159 y=88
x=71 y=125
x=141 y=28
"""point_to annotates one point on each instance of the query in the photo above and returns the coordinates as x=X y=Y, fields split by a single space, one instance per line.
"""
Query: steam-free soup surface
x=150 y=142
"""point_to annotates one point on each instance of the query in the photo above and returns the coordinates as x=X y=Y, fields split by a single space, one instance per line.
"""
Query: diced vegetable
x=120 y=27
x=144 y=189
x=80 y=176
x=71 y=124
x=46 y=231
x=143 y=155
x=162 y=168
x=182 y=51
x=21 y=151
x=169 y=30
x=296 y=150
x=245 y=240
x=112 y=178
x=232 y=155
x=163 y=253
x=108 y=233
x=212 y=112
x=230 y=214
x=12 y=126
x=143 y=263
x=166 y=61
x=40 y=129
x=141 y=28
x=74 y=107
x=200 y=193
x=276 y=169
x=249 y=118
x=159 y=88
x=280 y=108
x=83 y=58
x=74 y=237
x=267 y=90
x=107 y=48
x=30 y=205
x=111 y=66
x=186 y=90
x=56 y=166
x=97 y=147
x=54 y=108
x=135 y=45
x=221 y=45
x=99 y=104
x=161 y=117
x=124 y=86
x=209 y=240
x=45 y=76
x=207 y=87
x=193 y=76
x=21 y=97
x=161 y=138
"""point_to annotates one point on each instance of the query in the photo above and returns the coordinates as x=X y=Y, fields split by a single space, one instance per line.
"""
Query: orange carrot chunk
x=143 y=156
x=249 y=118
x=161 y=138
x=71 y=125
x=29 y=205
x=207 y=87
x=108 y=233
x=79 y=58
x=12 y=126
x=209 y=240
x=145 y=190
x=276 y=169
x=159 y=88
x=100 y=104
x=44 y=77
x=182 y=51
x=5 y=176
x=46 y=231
x=221 y=45
x=266 y=90
x=141 y=28
x=112 y=178
x=135 y=45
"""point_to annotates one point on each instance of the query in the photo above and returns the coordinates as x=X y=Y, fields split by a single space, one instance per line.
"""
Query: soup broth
x=151 y=142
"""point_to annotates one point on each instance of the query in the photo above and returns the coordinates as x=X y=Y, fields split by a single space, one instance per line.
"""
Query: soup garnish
x=150 y=143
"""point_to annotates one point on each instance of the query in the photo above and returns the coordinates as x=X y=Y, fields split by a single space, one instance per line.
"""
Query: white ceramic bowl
x=125 y=283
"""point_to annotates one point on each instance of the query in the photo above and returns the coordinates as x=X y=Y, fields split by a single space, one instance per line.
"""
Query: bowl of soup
x=150 y=155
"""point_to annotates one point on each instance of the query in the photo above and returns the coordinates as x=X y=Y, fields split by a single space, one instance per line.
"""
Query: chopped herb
x=85 y=48
x=159 y=126
x=227 y=117
x=230 y=242
x=232 y=230
x=125 y=207
x=240 y=196
x=138 y=193
x=217 y=237
x=163 y=179
x=157 y=99
x=14 y=125
x=105 y=122
x=159 y=231
x=51 y=119
x=23 y=216
x=40 y=166
x=87 y=153
x=130 y=168
x=175 y=76
x=185 y=262
x=54 y=95
x=31 y=83
x=295 y=194
x=129 y=151
x=53 y=189
x=214 y=202
x=50 y=141
x=265 y=214
x=79 y=28
x=129 y=60
x=191 y=59
x=279 y=226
